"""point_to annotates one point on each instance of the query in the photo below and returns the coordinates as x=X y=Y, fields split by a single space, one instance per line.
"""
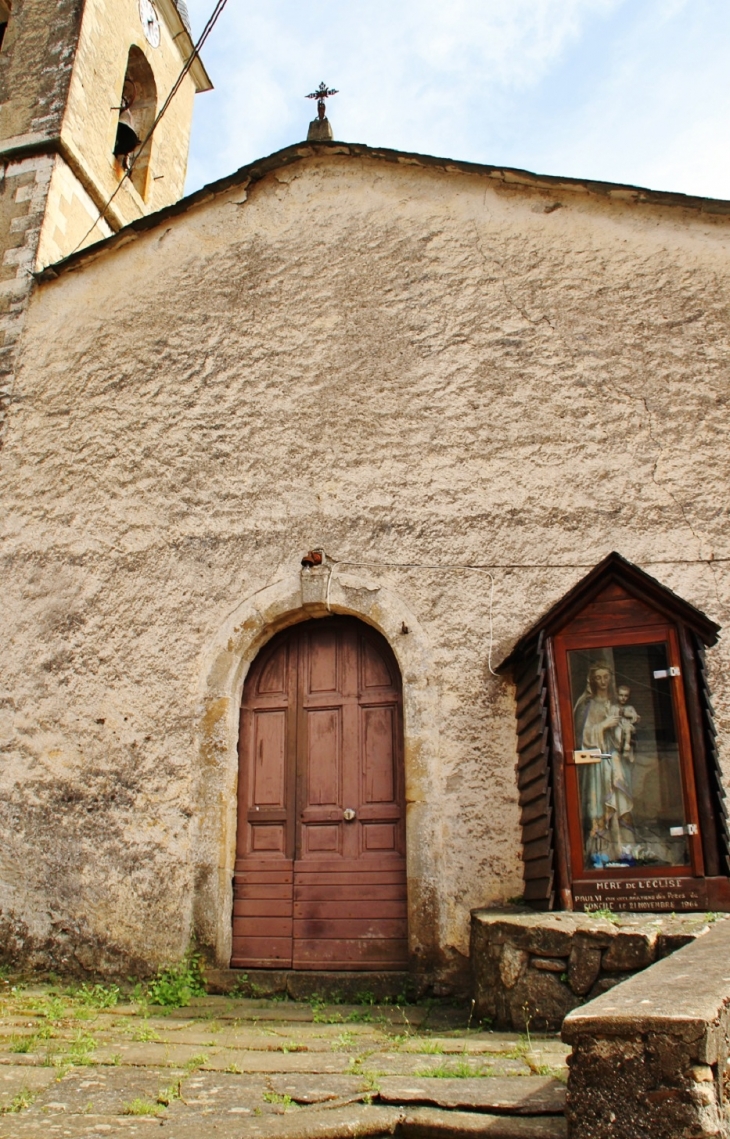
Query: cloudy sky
x=634 y=91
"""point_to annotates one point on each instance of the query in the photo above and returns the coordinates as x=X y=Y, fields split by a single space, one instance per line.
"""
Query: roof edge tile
x=508 y=176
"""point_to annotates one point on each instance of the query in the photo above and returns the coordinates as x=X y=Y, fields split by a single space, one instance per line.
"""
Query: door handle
x=348 y=814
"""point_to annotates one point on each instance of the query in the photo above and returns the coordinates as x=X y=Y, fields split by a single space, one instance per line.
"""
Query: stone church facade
x=459 y=387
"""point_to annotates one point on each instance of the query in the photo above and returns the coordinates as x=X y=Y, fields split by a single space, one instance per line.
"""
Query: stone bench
x=531 y=969
x=650 y=1056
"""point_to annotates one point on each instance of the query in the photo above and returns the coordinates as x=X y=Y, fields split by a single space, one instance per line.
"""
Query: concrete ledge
x=534 y=968
x=650 y=1057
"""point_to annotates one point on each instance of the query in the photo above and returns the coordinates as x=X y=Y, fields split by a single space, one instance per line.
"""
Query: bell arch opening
x=4 y=19
x=320 y=871
x=137 y=110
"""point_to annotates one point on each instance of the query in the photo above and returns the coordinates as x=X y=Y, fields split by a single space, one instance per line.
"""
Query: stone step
x=345 y=987
x=361 y=1120
x=523 y=1095
x=86 y=1100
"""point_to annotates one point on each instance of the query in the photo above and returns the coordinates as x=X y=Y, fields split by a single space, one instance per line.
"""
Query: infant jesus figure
x=628 y=718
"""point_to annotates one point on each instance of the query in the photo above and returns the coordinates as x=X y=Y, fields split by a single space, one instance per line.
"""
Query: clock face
x=150 y=22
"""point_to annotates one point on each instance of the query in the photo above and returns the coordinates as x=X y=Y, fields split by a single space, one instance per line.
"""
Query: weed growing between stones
x=461 y=1070
x=322 y=1013
x=519 y=1051
x=142 y=1107
x=175 y=986
x=81 y=1050
x=547 y=1070
x=143 y=1034
x=370 y=1081
x=286 y=1101
x=20 y=1102
x=165 y=1096
x=607 y=913
x=49 y=1006
x=96 y=996
x=357 y=1017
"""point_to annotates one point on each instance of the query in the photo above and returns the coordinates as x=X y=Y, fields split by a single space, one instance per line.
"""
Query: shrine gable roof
x=614 y=569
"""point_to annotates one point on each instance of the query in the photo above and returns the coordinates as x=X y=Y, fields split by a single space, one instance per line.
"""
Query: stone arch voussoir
x=298 y=597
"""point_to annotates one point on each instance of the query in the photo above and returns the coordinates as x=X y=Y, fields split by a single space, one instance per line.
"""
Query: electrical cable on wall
x=423 y=565
x=213 y=19
x=485 y=569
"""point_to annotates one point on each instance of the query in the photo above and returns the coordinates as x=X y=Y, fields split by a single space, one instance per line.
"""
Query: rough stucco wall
x=398 y=365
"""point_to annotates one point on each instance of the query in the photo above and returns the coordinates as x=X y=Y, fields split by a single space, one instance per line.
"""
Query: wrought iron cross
x=323 y=92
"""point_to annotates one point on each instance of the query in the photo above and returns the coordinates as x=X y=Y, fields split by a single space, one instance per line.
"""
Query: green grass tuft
x=142 y=1107
x=97 y=996
x=460 y=1070
x=20 y=1102
x=285 y=1100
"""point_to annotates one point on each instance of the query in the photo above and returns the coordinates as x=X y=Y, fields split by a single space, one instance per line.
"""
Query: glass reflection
x=627 y=757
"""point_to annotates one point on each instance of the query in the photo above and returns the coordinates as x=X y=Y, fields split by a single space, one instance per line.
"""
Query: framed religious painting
x=620 y=787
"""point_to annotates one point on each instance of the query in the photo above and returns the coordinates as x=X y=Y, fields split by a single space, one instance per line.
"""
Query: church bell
x=127 y=139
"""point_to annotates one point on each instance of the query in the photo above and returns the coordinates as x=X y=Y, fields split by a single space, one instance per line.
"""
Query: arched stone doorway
x=320 y=872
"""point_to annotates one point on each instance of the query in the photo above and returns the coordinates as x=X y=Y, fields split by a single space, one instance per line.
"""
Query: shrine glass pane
x=627 y=758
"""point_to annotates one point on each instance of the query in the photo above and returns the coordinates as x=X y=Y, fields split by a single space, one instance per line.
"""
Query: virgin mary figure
x=606 y=796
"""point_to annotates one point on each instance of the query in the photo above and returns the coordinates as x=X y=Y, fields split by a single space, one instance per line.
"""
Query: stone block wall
x=35 y=69
x=531 y=969
x=23 y=193
x=650 y=1059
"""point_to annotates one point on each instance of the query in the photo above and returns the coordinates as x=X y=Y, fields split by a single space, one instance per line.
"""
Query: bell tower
x=81 y=82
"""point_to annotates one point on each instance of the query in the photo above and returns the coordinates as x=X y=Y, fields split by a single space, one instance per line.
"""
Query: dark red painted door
x=320 y=872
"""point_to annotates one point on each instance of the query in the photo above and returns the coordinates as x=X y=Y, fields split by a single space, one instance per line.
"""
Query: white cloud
x=602 y=88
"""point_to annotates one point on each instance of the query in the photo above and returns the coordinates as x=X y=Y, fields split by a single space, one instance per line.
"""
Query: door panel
x=324 y=740
x=321 y=733
x=379 y=836
x=269 y=730
x=379 y=753
x=263 y=874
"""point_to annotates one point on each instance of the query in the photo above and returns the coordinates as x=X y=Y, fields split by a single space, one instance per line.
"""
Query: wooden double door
x=320 y=875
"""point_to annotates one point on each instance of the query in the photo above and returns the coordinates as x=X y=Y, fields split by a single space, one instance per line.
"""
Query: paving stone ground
x=230 y=1068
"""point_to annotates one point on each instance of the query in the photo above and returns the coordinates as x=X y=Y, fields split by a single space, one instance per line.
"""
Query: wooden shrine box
x=621 y=795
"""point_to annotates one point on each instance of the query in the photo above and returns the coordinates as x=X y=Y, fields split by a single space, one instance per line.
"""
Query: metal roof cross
x=323 y=92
